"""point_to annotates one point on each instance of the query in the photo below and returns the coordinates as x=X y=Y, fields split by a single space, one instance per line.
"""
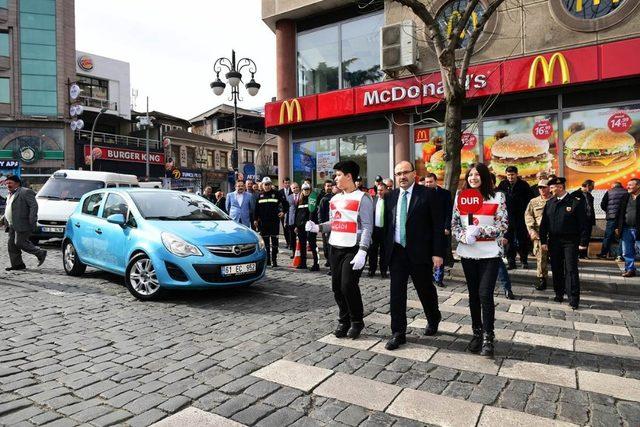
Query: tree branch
x=433 y=27
x=461 y=25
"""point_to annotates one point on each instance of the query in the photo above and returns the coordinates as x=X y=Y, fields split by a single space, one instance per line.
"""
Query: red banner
x=123 y=155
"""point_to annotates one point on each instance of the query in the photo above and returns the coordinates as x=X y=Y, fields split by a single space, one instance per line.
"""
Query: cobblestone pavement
x=84 y=351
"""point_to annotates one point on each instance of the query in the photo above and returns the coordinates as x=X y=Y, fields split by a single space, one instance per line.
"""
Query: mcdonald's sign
x=291 y=108
x=548 y=68
x=421 y=136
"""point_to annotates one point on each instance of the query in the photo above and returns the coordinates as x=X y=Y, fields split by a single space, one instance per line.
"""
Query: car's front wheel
x=72 y=264
x=141 y=278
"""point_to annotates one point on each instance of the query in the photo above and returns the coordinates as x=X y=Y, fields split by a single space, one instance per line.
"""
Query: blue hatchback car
x=160 y=239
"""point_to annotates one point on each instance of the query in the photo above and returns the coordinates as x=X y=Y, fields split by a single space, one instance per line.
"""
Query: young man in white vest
x=351 y=224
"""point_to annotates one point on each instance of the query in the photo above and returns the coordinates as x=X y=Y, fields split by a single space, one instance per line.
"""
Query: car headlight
x=177 y=246
x=260 y=241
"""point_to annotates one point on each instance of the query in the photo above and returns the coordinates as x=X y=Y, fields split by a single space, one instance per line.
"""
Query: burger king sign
x=85 y=63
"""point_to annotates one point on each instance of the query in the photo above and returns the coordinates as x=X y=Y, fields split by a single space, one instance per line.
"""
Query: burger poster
x=529 y=143
x=602 y=145
x=429 y=153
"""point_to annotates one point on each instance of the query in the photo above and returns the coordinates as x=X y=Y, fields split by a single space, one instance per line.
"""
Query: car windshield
x=68 y=189
x=170 y=206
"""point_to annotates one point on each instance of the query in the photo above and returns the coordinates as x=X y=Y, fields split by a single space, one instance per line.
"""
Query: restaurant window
x=224 y=160
x=340 y=55
x=94 y=88
x=275 y=158
x=248 y=156
x=315 y=158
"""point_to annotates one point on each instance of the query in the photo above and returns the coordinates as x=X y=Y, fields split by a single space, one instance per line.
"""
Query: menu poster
x=602 y=145
x=529 y=143
x=429 y=153
x=325 y=161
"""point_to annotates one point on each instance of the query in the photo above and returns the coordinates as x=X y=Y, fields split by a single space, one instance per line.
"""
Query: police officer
x=563 y=232
x=269 y=210
x=532 y=217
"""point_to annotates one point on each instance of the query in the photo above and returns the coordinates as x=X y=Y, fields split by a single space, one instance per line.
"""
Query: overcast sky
x=171 y=47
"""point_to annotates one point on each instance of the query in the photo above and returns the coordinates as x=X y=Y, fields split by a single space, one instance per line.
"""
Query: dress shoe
x=355 y=329
x=558 y=298
x=268 y=263
x=574 y=305
x=512 y=266
x=41 y=258
x=440 y=284
x=372 y=274
x=476 y=342
x=525 y=265
x=329 y=273
x=16 y=267
x=396 y=340
x=326 y=264
x=542 y=284
x=301 y=267
x=384 y=275
x=274 y=263
x=630 y=273
x=509 y=294
x=487 y=345
x=341 y=330
x=315 y=267
x=432 y=326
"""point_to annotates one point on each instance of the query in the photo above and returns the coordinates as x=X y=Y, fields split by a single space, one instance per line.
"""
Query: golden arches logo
x=579 y=4
x=422 y=135
x=291 y=108
x=548 y=68
x=457 y=16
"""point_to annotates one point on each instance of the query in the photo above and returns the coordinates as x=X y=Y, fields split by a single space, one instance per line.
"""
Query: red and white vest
x=484 y=247
x=343 y=214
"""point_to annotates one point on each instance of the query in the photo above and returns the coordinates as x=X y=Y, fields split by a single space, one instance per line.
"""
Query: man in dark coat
x=444 y=195
x=323 y=216
x=610 y=204
x=269 y=210
x=284 y=194
x=585 y=192
x=628 y=225
x=518 y=194
x=20 y=220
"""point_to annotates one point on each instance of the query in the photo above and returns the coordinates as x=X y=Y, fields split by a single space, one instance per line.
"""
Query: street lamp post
x=93 y=129
x=234 y=77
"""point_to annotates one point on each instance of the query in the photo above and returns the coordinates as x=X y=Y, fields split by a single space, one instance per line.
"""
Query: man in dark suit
x=414 y=238
x=444 y=195
x=585 y=192
x=221 y=201
x=284 y=194
x=20 y=220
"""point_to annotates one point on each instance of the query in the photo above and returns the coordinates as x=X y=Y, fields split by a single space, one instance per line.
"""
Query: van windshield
x=170 y=206
x=68 y=189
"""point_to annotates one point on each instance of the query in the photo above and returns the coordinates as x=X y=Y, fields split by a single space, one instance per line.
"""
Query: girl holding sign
x=479 y=223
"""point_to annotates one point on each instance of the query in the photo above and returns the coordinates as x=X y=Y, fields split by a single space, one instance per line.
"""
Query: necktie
x=403 y=220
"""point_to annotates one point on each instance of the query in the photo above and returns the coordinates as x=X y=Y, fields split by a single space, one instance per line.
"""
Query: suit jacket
x=241 y=214
x=24 y=210
x=284 y=196
x=622 y=212
x=425 y=225
x=444 y=196
x=291 y=216
x=222 y=203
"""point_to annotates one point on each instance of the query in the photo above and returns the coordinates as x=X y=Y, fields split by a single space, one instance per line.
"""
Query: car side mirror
x=117 y=219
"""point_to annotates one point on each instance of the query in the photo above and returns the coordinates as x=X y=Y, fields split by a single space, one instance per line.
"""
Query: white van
x=59 y=196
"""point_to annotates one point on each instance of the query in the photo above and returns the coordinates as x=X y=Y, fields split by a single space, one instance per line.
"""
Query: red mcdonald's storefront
x=588 y=93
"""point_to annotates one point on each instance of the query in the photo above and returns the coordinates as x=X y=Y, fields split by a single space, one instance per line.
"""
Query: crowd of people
x=404 y=229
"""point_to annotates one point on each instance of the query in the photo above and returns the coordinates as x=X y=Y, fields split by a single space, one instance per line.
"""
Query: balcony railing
x=251 y=135
x=112 y=139
x=97 y=103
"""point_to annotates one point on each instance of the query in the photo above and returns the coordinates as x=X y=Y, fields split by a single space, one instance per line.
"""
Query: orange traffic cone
x=297 y=259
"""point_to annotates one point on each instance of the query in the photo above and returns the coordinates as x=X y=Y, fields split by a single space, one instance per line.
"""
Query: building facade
x=257 y=150
x=545 y=71
x=37 y=63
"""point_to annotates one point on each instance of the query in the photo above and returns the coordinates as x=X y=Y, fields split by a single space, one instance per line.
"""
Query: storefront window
x=602 y=145
x=224 y=162
x=529 y=143
x=361 y=51
x=340 y=56
x=315 y=159
x=94 y=88
x=429 y=153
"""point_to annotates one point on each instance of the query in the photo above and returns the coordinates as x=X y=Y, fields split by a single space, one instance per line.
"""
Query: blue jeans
x=609 y=241
x=629 y=248
x=503 y=276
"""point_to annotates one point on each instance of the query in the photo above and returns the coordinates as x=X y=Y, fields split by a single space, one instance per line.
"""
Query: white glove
x=471 y=233
x=312 y=227
x=359 y=260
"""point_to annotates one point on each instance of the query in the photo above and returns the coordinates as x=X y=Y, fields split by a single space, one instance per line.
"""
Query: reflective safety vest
x=343 y=213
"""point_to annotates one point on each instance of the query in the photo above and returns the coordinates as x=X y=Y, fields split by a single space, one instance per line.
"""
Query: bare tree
x=265 y=166
x=453 y=60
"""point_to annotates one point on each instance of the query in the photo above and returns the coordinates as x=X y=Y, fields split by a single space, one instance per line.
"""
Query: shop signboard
x=325 y=161
x=603 y=145
x=123 y=155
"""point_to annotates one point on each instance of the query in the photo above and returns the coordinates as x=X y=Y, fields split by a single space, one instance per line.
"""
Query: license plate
x=232 y=270
x=53 y=229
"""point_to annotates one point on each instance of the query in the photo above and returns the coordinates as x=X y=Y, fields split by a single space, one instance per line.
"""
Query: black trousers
x=326 y=248
x=271 y=246
x=564 y=267
x=311 y=238
x=19 y=242
x=422 y=276
x=584 y=252
x=291 y=231
x=481 y=276
x=519 y=242
x=344 y=283
x=376 y=251
x=285 y=231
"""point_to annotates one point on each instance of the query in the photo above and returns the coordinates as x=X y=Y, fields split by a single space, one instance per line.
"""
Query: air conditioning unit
x=398 y=46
